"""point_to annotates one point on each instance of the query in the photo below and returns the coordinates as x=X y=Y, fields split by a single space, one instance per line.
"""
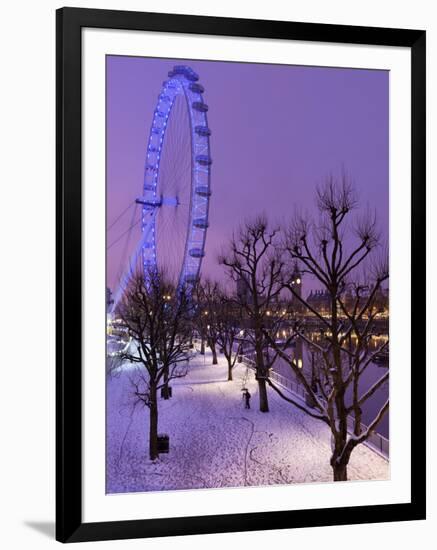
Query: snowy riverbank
x=215 y=442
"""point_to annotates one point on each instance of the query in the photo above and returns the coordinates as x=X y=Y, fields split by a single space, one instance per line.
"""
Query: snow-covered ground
x=215 y=441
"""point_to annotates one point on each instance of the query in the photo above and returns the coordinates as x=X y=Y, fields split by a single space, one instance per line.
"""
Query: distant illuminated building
x=378 y=305
x=320 y=301
x=382 y=302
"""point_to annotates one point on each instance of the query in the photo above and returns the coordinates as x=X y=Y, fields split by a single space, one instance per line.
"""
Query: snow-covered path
x=215 y=442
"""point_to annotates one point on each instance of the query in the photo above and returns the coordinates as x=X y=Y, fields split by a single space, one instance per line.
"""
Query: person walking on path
x=246 y=397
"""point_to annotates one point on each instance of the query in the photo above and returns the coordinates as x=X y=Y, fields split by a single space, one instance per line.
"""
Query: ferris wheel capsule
x=202 y=131
x=204 y=160
x=200 y=106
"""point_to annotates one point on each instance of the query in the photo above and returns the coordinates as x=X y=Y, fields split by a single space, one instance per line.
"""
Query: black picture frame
x=69 y=24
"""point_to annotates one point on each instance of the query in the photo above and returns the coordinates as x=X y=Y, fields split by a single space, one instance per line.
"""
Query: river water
x=372 y=374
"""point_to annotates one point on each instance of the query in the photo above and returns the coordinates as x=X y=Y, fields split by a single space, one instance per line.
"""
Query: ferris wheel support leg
x=133 y=260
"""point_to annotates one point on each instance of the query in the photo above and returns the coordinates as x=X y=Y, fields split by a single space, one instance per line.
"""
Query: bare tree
x=206 y=318
x=335 y=255
x=158 y=321
x=228 y=327
x=255 y=265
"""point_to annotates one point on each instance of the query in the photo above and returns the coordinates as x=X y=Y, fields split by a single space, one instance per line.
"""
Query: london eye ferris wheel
x=177 y=184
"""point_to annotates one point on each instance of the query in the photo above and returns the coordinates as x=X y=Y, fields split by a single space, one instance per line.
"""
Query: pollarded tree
x=336 y=253
x=158 y=320
x=256 y=267
x=205 y=319
x=228 y=327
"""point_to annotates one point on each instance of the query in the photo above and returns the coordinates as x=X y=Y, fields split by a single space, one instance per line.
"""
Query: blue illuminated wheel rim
x=177 y=180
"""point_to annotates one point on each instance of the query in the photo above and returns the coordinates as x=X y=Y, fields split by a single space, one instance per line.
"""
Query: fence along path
x=376 y=441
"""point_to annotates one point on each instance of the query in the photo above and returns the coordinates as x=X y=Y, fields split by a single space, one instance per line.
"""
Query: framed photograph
x=240 y=274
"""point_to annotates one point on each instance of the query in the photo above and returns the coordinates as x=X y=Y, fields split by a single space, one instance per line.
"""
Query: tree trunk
x=214 y=354
x=229 y=372
x=340 y=458
x=165 y=390
x=340 y=471
x=263 y=401
x=261 y=373
x=202 y=346
x=153 y=432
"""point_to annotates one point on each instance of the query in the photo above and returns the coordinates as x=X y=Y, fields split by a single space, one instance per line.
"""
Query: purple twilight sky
x=277 y=132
